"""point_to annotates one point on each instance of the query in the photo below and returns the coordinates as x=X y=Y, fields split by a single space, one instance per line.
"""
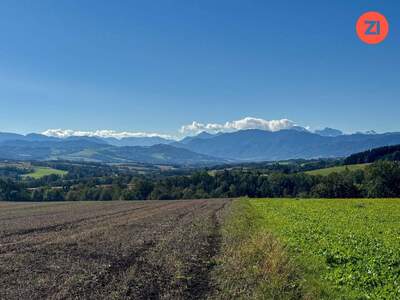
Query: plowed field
x=109 y=250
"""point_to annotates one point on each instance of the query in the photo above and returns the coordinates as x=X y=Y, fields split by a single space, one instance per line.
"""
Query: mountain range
x=261 y=145
x=98 y=150
x=202 y=149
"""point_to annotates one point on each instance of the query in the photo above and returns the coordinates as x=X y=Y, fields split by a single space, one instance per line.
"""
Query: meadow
x=40 y=172
x=327 y=171
x=313 y=249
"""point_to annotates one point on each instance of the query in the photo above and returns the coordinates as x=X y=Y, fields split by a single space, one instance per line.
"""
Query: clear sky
x=157 y=65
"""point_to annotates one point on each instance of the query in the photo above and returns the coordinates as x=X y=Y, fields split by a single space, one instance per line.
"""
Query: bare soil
x=109 y=250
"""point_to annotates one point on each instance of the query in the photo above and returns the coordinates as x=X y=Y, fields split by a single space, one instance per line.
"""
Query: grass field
x=315 y=249
x=40 y=172
x=327 y=171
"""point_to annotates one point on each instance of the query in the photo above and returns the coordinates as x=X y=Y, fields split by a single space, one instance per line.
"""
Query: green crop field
x=40 y=172
x=351 y=247
x=327 y=171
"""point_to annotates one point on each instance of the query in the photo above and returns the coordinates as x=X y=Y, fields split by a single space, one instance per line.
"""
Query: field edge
x=254 y=264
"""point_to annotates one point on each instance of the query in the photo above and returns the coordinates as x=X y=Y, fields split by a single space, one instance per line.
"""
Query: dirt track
x=109 y=250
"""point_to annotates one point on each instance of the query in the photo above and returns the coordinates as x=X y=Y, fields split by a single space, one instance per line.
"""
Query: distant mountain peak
x=327 y=131
x=367 y=132
x=370 y=132
x=137 y=141
x=299 y=128
x=201 y=136
x=204 y=135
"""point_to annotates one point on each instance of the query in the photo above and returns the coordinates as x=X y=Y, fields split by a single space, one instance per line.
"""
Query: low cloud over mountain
x=150 y=138
x=246 y=123
x=64 y=133
x=186 y=130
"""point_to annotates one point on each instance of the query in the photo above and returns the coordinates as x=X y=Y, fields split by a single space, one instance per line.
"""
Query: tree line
x=380 y=179
x=391 y=153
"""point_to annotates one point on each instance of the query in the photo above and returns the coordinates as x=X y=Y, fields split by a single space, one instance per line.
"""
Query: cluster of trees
x=12 y=172
x=377 y=180
x=11 y=191
x=391 y=153
x=380 y=179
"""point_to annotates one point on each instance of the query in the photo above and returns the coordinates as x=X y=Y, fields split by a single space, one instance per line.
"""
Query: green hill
x=40 y=172
x=327 y=171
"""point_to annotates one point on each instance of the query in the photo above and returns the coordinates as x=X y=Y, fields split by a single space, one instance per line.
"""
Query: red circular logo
x=372 y=27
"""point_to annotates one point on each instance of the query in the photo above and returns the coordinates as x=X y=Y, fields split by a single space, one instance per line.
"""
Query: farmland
x=201 y=249
x=327 y=171
x=40 y=172
x=330 y=249
x=108 y=250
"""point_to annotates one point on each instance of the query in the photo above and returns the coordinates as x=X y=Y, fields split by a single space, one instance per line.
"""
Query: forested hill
x=372 y=155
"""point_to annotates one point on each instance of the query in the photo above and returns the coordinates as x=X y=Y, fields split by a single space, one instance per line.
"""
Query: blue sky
x=157 y=65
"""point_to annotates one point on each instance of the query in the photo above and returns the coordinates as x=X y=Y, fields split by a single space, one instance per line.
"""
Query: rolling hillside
x=91 y=149
x=327 y=171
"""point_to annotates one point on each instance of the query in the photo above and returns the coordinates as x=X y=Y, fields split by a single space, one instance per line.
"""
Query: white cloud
x=64 y=133
x=246 y=123
x=190 y=129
